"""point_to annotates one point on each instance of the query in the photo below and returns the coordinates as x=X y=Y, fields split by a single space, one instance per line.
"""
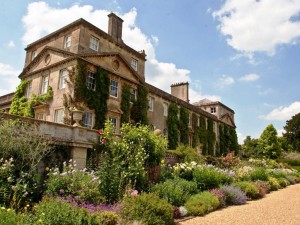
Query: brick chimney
x=181 y=90
x=115 y=27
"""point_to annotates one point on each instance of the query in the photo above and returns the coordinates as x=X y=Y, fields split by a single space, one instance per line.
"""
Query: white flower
x=183 y=211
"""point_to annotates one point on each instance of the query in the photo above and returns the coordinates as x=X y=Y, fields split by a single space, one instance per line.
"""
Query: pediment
x=116 y=64
x=47 y=57
x=227 y=119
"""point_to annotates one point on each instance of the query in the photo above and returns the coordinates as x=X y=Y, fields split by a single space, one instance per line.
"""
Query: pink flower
x=100 y=132
x=134 y=193
x=104 y=141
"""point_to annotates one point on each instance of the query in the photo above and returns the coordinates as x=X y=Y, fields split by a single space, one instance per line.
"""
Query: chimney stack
x=115 y=27
x=181 y=90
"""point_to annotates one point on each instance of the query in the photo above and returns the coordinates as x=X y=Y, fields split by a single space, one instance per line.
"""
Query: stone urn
x=77 y=117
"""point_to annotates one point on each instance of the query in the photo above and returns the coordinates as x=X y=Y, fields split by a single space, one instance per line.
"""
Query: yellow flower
x=43 y=214
x=8 y=210
x=40 y=220
x=47 y=168
x=2 y=207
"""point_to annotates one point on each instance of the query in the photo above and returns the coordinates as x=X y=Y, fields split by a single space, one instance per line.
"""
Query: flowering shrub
x=220 y=194
x=175 y=191
x=251 y=191
x=148 y=209
x=259 y=173
x=202 y=203
x=9 y=216
x=185 y=170
x=6 y=180
x=208 y=177
x=71 y=182
x=55 y=212
x=230 y=160
x=243 y=172
x=234 y=195
x=274 y=183
x=264 y=187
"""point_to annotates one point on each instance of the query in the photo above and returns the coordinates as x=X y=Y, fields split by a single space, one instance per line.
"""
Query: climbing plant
x=172 y=124
x=184 y=125
x=139 y=110
x=95 y=99
x=222 y=140
x=125 y=103
x=195 y=141
x=23 y=106
x=234 y=146
x=211 y=136
x=203 y=135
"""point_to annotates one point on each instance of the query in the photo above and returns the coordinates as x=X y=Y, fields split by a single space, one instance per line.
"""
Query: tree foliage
x=211 y=137
x=268 y=145
x=203 y=135
x=292 y=133
x=172 y=124
x=249 y=148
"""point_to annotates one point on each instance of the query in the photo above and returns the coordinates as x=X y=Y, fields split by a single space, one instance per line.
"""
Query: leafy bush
x=9 y=216
x=73 y=182
x=221 y=196
x=149 y=209
x=103 y=218
x=202 y=203
x=187 y=154
x=283 y=182
x=55 y=212
x=234 y=195
x=259 y=173
x=185 y=170
x=264 y=187
x=209 y=178
x=230 y=160
x=274 y=183
x=175 y=191
x=251 y=191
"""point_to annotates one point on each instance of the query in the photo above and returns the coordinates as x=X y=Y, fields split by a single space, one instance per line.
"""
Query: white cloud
x=9 y=78
x=11 y=44
x=195 y=96
x=250 y=77
x=159 y=74
x=225 y=81
x=283 y=113
x=265 y=91
x=241 y=138
x=259 y=26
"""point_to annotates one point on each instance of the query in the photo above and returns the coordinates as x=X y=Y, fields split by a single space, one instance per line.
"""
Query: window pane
x=114 y=122
x=87 y=120
x=44 y=85
x=114 y=88
x=134 y=63
x=91 y=81
x=94 y=43
x=29 y=89
x=68 y=41
x=59 y=116
x=62 y=78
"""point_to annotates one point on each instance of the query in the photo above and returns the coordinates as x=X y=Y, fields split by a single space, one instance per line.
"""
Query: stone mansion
x=49 y=59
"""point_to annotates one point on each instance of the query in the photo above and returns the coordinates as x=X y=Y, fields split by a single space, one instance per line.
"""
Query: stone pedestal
x=79 y=155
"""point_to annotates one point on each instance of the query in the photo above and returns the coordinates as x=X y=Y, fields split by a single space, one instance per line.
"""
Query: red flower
x=100 y=132
x=103 y=140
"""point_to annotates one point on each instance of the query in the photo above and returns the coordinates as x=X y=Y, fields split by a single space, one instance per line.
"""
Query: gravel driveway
x=277 y=208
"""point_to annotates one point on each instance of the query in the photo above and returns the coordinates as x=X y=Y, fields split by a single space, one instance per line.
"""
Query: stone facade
x=48 y=59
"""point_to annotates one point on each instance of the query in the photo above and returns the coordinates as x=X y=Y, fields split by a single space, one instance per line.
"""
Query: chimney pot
x=115 y=27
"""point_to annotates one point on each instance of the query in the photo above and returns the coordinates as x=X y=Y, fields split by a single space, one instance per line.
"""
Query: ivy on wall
x=125 y=103
x=172 y=124
x=139 y=110
x=234 y=146
x=211 y=137
x=195 y=140
x=222 y=140
x=203 y=135
x=95 y=99
x=24 y=107
x=184 y=126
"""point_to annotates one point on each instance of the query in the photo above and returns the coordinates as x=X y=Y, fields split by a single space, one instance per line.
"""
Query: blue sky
x=242 y=53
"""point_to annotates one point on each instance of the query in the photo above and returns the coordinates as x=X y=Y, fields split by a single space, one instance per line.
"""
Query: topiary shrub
x=209 y=178
x=234 y=195
x=202 y=203
x=175 y=191
x=148 y=209
x=250 y=189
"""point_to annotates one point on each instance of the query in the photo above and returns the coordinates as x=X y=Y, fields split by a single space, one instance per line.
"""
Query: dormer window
x=68 y=41
x=213 y=109
x=33 y=55
x=94 y=43
x=134 y=64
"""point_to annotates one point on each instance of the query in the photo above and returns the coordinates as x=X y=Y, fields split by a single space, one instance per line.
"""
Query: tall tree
x=234 y=146
x=292 y=134
x=268 y=145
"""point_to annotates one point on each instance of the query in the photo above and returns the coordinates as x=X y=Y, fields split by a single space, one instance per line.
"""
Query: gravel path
x=277 y=208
